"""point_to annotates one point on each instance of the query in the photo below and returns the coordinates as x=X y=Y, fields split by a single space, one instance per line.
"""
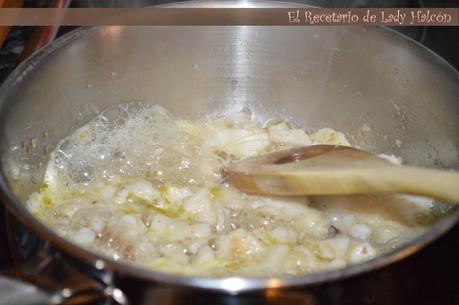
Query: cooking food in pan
x=140 y=184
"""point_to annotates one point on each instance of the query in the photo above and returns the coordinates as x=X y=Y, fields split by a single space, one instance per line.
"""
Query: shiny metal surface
x=349 y=78
x=14 y=292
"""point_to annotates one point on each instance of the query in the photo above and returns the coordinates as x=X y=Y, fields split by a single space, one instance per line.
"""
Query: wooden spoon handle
x=438 y=184
x=269 y=179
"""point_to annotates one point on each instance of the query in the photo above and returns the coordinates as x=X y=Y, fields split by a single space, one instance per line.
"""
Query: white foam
x=131 y=140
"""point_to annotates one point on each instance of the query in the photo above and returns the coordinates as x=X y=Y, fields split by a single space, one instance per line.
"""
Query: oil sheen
x=139 y=184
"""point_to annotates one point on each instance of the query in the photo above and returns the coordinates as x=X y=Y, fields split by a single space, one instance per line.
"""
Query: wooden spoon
x=332 y=170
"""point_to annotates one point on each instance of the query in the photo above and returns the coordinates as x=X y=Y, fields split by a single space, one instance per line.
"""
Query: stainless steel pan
x=343 y=77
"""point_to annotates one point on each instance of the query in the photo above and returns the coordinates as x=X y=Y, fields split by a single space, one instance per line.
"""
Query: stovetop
x=435 y=270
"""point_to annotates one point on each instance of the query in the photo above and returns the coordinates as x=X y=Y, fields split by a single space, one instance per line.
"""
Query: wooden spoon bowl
x=338 y=170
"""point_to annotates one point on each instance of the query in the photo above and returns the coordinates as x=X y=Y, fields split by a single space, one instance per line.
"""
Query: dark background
x=435 y=270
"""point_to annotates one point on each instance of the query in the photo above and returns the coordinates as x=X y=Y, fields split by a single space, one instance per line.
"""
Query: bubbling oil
x=132 y=140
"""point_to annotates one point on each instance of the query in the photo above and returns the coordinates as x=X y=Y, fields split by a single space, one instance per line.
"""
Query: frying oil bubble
x=80 y=173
